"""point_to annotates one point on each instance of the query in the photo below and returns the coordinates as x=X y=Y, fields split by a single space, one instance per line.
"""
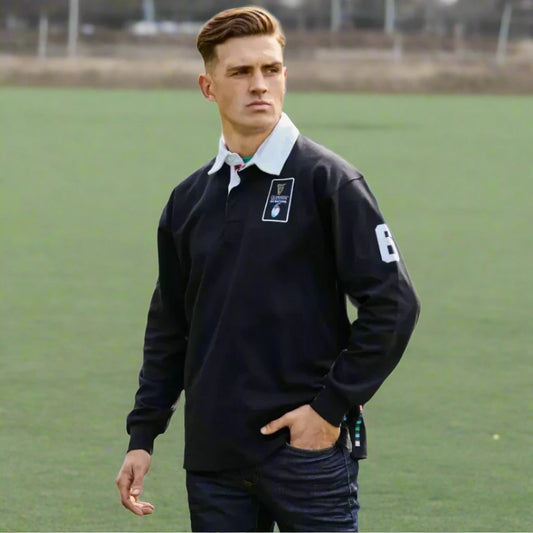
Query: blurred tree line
x=428 y=16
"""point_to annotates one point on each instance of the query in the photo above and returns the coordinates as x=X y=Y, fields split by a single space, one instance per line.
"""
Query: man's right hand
x=130 y=481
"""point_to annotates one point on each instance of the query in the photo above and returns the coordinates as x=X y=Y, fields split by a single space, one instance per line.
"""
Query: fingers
x=143 y=507
x=129 y=501
x=126 y=498
x=275 y=425
x=307 y=428
x=130 y=482
x=136 y=488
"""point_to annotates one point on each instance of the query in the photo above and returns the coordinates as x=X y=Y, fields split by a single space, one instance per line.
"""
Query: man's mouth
x=258 y=104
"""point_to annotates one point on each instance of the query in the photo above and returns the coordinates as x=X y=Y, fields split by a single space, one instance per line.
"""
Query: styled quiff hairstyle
x=236 y=22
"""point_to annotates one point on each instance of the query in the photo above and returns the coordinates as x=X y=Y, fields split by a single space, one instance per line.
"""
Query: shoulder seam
x=357 y=178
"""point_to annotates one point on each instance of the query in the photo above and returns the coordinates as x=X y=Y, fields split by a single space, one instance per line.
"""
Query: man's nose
x=258 y=83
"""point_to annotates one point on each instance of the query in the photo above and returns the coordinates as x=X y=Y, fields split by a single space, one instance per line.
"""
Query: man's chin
x=262 y=122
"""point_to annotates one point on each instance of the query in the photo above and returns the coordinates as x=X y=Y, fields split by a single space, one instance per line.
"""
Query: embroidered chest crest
x=278 y=202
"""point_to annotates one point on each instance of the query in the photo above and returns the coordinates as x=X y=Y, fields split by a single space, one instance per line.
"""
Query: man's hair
x=237 y=22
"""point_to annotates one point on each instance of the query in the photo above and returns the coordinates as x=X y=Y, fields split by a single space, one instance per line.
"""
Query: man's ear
x=285 y=76
x=205 y=86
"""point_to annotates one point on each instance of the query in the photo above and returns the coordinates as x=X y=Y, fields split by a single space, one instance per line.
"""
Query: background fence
x=388 y=45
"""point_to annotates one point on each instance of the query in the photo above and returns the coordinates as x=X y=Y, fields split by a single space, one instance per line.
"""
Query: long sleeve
x=372 y=274
x=165 y=343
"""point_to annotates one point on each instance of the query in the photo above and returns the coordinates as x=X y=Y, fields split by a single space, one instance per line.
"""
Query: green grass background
x=84 y=175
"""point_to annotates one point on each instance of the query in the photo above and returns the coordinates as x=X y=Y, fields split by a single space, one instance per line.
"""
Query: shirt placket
x=233 y=223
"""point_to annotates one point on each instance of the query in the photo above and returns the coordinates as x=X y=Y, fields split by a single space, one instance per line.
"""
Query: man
x=258 y=250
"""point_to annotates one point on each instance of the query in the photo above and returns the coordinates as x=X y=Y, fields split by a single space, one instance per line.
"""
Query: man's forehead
x=263 y=49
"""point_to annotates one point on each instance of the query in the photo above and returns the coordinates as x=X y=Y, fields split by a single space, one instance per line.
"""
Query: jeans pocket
x=310 y=453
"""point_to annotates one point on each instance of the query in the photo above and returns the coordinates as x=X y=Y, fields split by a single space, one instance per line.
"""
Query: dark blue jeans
x=300 y=490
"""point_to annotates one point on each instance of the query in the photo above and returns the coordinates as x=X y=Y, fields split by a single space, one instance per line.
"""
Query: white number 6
x=387 y=248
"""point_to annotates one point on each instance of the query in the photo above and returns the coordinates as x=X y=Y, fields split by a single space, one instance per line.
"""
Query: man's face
x=247 y=81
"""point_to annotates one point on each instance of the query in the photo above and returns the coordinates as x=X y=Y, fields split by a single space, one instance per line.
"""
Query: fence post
x=149 y=10
x=504 y=33
x=43 y=35
x=336 y=15
x=73 y=24
x=390 y=16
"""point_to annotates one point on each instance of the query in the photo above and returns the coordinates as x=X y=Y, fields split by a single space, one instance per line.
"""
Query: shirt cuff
x=330 y=406
x=141 y=438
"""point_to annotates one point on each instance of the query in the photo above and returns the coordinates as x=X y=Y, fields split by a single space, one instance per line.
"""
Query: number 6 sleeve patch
x=387 y=248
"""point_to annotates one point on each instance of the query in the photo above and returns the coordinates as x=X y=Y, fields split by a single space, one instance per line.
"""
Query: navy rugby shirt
x=248 y=316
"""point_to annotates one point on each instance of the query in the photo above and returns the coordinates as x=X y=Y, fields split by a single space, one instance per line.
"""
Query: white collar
x=270 y=156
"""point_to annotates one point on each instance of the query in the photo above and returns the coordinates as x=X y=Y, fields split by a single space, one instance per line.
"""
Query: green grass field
x=84 y=176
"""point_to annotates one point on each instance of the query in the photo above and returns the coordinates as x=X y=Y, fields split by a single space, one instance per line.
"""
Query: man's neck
x=244 y=143
x=244 y=146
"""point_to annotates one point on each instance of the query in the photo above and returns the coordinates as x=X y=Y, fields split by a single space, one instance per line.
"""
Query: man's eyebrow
x=237 y=67
x=244 y=66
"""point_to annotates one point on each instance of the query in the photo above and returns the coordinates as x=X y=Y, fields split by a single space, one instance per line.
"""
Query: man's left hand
x=308 y=429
